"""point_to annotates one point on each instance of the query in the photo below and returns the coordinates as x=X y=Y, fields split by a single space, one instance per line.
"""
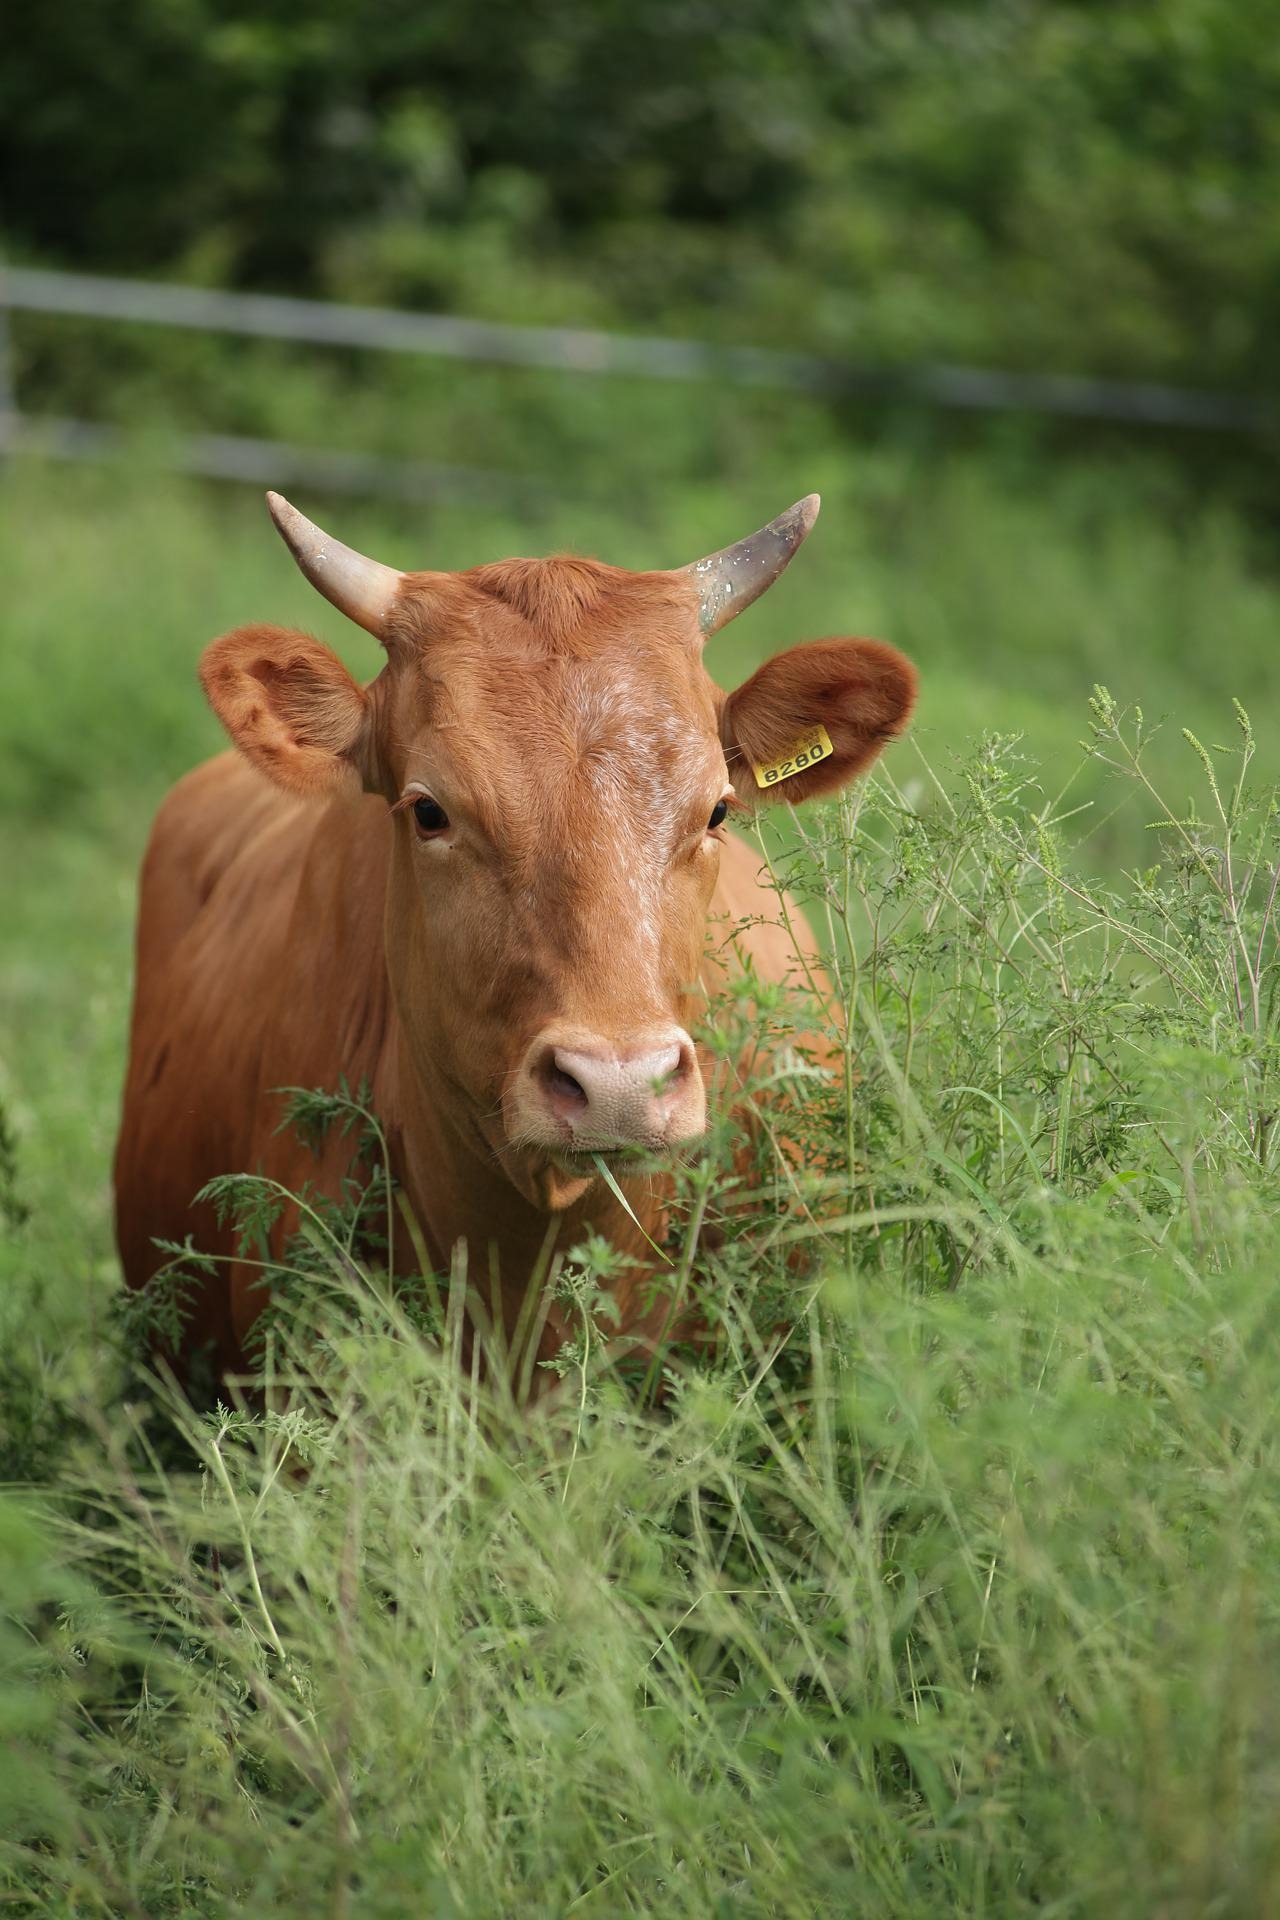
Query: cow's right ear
x=290 y=706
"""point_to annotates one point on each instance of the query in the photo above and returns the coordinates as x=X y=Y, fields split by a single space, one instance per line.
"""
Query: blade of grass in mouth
x=625 y=1204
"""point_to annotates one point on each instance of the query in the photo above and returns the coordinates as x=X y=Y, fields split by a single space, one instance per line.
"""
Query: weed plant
x=939 y=1579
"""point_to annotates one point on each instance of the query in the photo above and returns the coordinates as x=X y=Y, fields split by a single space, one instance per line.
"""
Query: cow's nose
x=596 y=1094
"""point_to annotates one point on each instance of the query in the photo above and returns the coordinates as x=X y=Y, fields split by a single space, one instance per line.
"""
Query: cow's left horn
x=730 y=580
x=363 y=589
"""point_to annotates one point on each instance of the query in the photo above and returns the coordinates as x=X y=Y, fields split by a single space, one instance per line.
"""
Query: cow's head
x=560 y=770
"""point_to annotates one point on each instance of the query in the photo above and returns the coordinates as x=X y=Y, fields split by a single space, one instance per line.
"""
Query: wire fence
x=564 y=349
x=268 y=463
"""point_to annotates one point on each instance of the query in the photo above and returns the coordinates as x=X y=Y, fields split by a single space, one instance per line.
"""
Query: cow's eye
x=430 y=815
x=718 y=813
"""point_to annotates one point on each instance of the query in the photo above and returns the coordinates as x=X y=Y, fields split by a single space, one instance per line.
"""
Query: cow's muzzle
x=578 y=1092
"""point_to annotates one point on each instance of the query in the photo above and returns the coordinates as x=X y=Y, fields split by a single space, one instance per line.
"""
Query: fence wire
x=564 y=349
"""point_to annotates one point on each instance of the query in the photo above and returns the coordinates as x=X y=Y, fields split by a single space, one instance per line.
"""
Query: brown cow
x=482 y=884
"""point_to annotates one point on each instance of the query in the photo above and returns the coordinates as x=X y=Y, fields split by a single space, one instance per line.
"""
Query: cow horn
x=363 y=589
x=730 y=580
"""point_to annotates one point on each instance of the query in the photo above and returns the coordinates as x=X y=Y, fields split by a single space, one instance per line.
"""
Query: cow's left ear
x=291 y=707
x=859 y=692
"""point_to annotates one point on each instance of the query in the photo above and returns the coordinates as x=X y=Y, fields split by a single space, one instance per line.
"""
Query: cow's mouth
x=585 y=1162
x=558 y=1175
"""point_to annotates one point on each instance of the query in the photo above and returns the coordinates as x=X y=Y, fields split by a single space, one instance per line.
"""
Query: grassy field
x=946 y=1584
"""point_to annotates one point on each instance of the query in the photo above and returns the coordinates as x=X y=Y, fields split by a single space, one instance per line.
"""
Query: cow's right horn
x=363 y=589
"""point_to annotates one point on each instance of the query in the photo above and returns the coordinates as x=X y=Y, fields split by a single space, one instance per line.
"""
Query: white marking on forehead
x=642 y=734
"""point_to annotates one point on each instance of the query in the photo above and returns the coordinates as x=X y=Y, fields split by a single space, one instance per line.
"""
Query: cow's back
x=219 y=976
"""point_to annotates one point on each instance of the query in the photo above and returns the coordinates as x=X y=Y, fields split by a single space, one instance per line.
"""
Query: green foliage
x=938 y=1580
x=12 y=1210
x=1049 y=185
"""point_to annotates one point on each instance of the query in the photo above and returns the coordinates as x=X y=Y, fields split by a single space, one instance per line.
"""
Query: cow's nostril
x=564 y=1084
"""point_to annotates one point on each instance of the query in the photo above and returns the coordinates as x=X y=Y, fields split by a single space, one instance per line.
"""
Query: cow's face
x=560 y=773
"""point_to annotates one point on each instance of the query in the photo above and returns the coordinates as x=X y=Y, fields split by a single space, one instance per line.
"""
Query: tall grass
x=939 y=1581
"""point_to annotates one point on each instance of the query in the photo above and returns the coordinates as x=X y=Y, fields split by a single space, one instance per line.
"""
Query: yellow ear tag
x=802 y=753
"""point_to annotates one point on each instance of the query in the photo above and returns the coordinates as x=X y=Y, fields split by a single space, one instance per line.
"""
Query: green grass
x=945 y=1583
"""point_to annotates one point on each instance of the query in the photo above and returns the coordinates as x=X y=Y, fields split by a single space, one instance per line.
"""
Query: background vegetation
x=944 y=1584
x=1036 y=183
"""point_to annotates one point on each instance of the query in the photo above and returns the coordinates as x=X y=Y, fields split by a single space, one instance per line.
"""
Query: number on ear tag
x=801 y=754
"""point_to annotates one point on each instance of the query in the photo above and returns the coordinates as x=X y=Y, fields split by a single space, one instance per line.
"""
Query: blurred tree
x=1089 y=185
